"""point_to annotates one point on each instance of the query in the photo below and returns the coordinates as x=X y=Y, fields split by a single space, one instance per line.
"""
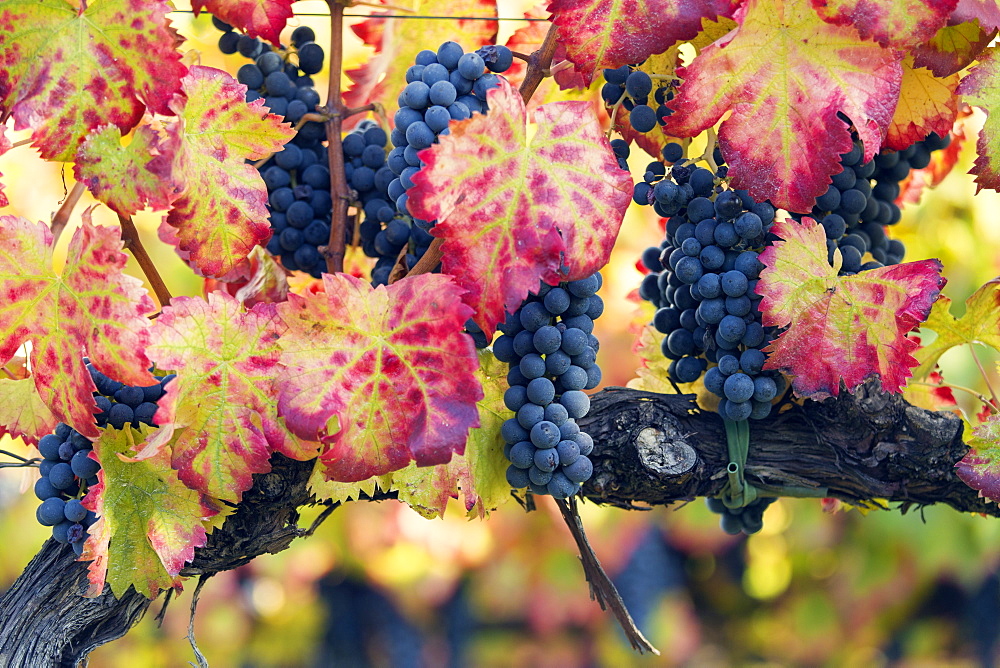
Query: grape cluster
x=860 y=204
x=68 y=469
x=550 y=347
x=440 y=87
x=298 y=176
x=749 y=519
x=702 y=280
x=632 y=88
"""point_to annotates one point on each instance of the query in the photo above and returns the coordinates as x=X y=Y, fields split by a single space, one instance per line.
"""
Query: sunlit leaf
x=980 y=468
x=382 y=376
x=981 y=87
x=264 y=18
x=926 y=104
x=840 y=329
x=501 y=200
x=892 y=23
x=148 y=522
x=979 y=324
x=91 y=308
x=67 y=69
x=784 y=74
x=953 y=48
x=221 y=213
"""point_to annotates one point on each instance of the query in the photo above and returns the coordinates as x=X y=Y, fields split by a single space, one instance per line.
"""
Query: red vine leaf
x=926 y=104
x=979 y=324
x=381 y=375
x=981 y=87
x=5 y=146
x=264 y=18
x=980 y=468
x=611 y=33
x=148 y=522
x=23 y=411
x=953 y=48
x=126 y=178
x=219 y=413
x=397 y=44
x=891 y=23
x=501 y=200
x=91 y=308
x=784 y=74
x=987 y=12
x=104 y=62
x=840 y=328
x=221 y=213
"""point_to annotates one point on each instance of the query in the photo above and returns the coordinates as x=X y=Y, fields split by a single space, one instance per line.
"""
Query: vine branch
x=339 y=190
x=61 y=217
x=130 y=235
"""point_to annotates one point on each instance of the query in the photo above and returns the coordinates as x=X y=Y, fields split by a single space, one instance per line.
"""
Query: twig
x=61 y=217
x=373 y=106
x=130 y=235
x=526 y=57
x=538 y=62
x=21 y=143
x=430 y=260
x=319 y=520
x=336 y=248
x=602 y=589
x=199 y=657
x=163 y=611
x=986 y=378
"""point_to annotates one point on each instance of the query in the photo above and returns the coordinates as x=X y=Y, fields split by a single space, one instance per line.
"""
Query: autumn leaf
x=899 y=24
x=103 y=63
x=980 y=468
x=981 y=87
x=941 y=164
x=979 y=324
x=953 y=48
x=23 y=411
x=381 y=375
x=219 y=414
x=126 y=178
x=148 y=522
x=91 y=308
x=263 y=18
x=397 y=44
x=840 y=328
x=926 y=104
x=987 y=12
x=784 y=74
x=611 y=33
x=652 y=375
x=221 y=213
x=5 y=146
x=501 y=200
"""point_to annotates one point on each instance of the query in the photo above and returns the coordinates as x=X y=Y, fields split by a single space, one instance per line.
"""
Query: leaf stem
x=986 y=377
x=61 y=217
x=430 y=259
x=339 y=191
x=130 y=235
x=21 y=143
x=978 y=395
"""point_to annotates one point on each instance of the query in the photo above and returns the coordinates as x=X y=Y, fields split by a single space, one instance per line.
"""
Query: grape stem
x=521 y=56
x=130 y=235
x=61 y=217
x=339 y=191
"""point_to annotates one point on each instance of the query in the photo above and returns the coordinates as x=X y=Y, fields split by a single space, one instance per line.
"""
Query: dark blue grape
x=50 y=512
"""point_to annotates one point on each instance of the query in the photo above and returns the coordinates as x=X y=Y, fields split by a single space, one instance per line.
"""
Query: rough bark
x=650 y=450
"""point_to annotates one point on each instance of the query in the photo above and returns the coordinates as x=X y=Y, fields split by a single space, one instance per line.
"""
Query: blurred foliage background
x=378 y=585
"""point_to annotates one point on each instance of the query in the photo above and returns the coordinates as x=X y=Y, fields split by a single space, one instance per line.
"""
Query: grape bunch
x=551 y=350
x=440 y=87
x=68 y=469
x=702 y=280
x=298 y=176
x=749 y=519
x=632 y=88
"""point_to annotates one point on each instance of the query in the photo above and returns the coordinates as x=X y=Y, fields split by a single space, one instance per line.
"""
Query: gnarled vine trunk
x=650 y=449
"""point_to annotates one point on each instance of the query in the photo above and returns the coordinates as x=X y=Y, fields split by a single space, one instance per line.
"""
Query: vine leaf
x=381 y=375
x=980 y=468
x=979 y=324
x=23 y=411
x=892 y=23
x=610 y=33
x=785 y=74
x=5 y=145
x=218 y=414
x=148 y=524
x=953 y=47
x=840 y=328
x=126 y=178
x=501 y=199
x=92 y=306
x=221 y=213
x=987 y=12
x=263 y=18
x=104 y=62
x=926 y=104
x=981 y=87
x=397 y=43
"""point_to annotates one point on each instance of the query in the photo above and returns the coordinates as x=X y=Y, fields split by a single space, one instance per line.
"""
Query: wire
x=402 y=16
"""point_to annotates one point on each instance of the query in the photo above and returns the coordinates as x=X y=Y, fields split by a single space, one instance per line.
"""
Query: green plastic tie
x=738 y=493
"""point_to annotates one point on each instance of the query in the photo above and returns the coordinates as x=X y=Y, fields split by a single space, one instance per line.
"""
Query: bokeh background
x=379 y=585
